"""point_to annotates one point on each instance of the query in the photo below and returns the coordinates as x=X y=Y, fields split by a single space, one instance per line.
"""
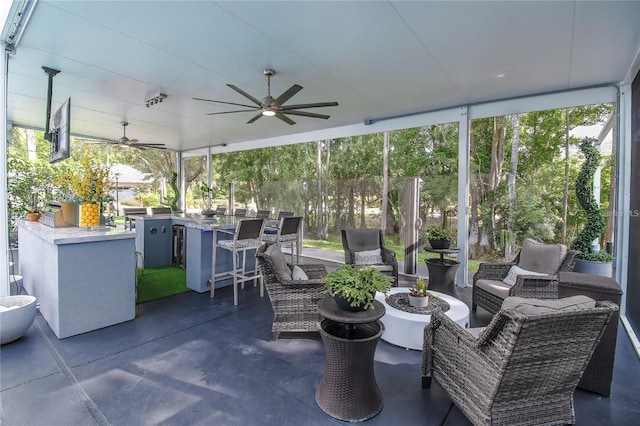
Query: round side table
x=348 y=390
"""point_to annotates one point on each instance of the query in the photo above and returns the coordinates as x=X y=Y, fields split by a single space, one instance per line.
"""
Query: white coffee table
x=406 y=329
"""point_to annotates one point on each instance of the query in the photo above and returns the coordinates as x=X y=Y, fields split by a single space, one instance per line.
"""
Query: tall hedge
x=584 y=192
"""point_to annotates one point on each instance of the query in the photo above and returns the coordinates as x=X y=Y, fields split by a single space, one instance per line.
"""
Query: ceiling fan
x=273 y=107
x=125 y=141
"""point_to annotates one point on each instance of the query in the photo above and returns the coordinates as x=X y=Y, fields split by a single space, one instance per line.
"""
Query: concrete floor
x=189 y=360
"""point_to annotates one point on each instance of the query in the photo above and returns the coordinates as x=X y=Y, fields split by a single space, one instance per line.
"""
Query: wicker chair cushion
x=368 y=257
x=543 y=258
x=529 y=306
x=515 y=270
x=297 y=274
x=279 y=262
x=499 y=288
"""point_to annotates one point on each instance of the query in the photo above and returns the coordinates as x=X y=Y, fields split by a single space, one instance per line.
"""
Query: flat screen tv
x=59 y=132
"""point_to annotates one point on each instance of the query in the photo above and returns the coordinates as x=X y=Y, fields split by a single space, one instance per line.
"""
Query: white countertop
x=74 y=234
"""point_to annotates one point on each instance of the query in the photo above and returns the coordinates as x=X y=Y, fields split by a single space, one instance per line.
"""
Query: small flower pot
x=419 y=301
x=440 y=244
x=33 y=217
x=345 y=305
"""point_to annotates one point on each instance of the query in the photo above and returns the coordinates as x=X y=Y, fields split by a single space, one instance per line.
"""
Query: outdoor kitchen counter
x=199 y=248
x=83 y=279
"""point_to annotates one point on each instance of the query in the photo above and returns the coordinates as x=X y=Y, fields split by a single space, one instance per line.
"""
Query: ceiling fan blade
x=308 y=114
x=288 y=94
x=255 y=117
x=152 y=146
x=285 y=119
x=229 y=112
x=223 y=102
x=246 y=95
x=315 y=105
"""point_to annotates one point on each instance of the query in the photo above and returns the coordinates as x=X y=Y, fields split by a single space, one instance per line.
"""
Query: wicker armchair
x=357 y=241
x=294 y=302
x=489 y=289
x=522 y=368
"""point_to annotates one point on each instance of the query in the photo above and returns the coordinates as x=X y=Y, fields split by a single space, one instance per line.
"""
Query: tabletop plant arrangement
x=438 y=238
x=419 y=294
x=354 y=287
x=91 y=184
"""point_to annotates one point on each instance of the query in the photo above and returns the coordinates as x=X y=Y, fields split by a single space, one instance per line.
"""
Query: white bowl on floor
x=16 y=316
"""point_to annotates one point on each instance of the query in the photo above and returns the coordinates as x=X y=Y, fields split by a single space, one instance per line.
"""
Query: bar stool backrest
x=249 y=229
x=263 y=214
x=240 y=213
x=290 y=225
x=282 y=214
x=221 y=211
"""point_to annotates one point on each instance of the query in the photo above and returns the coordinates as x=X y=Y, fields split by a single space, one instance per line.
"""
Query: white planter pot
x=418 y=302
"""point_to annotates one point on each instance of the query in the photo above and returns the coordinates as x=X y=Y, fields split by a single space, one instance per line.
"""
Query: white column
x=463 y=196
x=4 y=227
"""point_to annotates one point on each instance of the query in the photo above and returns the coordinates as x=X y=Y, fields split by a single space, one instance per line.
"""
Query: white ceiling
x=376 y=58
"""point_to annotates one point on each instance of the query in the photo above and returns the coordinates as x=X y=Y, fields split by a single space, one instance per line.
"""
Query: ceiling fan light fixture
x=268 y=113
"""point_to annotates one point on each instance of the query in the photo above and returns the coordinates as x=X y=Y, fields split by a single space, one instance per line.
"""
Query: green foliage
x=584 y=192
x=173 y=198
x=601 y=256
x=357 y=284
x=437 y=233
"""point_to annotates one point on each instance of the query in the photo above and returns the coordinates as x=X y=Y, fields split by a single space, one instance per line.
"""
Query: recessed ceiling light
x=500 y=75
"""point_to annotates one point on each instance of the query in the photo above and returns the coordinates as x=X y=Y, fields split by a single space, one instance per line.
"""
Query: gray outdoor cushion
x=499 y=288
x=529 y=306
x=543 y=258
x=279 y=262
x=363 y=239
x=368 y=257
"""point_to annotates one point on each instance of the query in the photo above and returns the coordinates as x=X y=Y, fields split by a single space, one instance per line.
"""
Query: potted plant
x=439 y=238
x=588 y=261
x=27 y=186
x=207 y=196
x=354 y=286
x=419 y=295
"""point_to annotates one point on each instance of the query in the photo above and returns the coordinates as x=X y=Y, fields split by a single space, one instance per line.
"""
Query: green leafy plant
x=437 y=233
x=27 y=184
x=357 y=284
x=601 y=256
x=584 y=193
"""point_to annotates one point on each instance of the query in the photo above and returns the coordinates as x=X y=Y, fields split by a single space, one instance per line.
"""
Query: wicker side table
x=599 y=372
x=348 y=390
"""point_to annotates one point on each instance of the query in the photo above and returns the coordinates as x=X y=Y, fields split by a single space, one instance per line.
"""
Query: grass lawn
x=335 y=244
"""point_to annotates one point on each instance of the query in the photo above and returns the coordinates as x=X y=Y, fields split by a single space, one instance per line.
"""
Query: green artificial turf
x=161 y=282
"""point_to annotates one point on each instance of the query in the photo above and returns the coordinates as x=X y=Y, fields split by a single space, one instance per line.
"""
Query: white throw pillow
x=515 y=270
x=369 y=257
x=298 y=274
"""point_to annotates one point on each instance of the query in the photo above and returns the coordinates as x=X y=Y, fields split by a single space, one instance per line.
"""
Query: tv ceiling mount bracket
x=50 y=73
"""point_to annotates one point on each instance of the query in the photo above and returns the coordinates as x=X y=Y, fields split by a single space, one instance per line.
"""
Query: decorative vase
x=419 y=301
x=89 y=214
x=345 y=305
x=439 y=244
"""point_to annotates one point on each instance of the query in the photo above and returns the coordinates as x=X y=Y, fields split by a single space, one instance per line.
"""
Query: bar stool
x=221 y=211
x=287 y=232
x=241 y=212
x=263 y=214
x=246 y=236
